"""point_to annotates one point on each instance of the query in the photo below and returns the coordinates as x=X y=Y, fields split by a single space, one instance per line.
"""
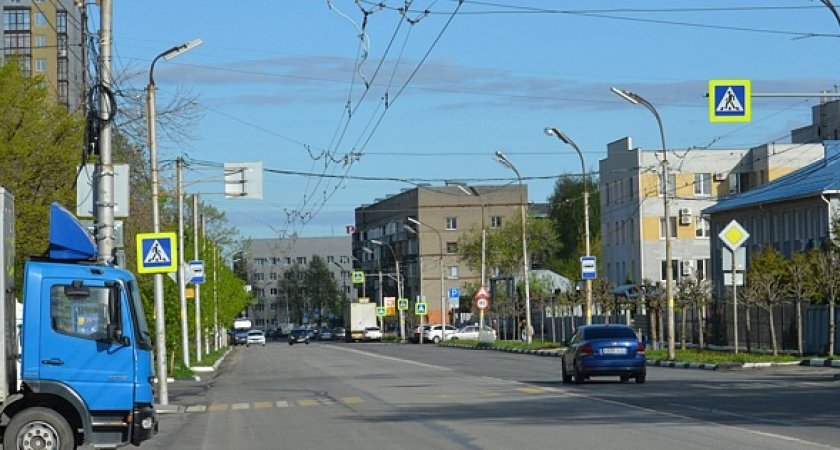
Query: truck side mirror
x=116 y=335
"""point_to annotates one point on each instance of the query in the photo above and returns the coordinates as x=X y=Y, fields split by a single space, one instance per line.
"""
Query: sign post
x=482 y=302
x=734 y=236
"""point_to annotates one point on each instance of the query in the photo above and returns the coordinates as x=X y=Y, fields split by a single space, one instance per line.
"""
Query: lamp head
x=185 y=47
x=559 y=134
x=409 y=229
x=367 y=250
x=376 y=242
x=629 y=96
x=413 y=220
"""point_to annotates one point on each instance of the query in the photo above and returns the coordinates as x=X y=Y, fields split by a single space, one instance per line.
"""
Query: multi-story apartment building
x=388 y=231
x=633 y=226
x=266 y=262
x=45 y=38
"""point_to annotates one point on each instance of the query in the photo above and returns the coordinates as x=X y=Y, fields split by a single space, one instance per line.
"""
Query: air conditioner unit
x=685 y=216
x=62 y=53
x=720 y=176
x=686 y=268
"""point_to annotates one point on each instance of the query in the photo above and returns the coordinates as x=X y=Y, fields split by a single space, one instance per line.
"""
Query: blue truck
x=77 y=366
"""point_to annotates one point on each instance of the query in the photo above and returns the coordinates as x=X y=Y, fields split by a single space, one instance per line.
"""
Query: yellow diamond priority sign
x=733 y=235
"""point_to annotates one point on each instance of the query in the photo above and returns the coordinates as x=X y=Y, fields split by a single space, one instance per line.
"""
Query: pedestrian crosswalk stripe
x=263 y=405
x=530 y=390
x=351 y=400
x=326 y=401
x=238 y=406
x=196 y=408
x=307 y=402
x=282 y=404
x=218 y=407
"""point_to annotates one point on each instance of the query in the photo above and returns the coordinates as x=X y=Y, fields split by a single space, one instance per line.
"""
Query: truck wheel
x=38 y=428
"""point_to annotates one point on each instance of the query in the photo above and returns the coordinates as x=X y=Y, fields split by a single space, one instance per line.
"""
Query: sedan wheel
x=579 y=378
x=640 y=379
x=436 y=340
x=567 y=378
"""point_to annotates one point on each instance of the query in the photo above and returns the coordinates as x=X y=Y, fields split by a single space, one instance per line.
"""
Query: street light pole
x=560 y=135
x=443 y=309
x=151 y=127
x=502 y=159
x=669 y=278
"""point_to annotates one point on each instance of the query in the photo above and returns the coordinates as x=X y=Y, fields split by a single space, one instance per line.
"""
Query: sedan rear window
x=610 y=333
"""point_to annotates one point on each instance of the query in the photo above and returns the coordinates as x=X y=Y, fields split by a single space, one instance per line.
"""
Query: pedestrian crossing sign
x=157 y=253
x=421 y=309
x=730 y=101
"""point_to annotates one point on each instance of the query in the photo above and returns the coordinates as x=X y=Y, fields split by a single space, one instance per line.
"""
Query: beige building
x=429 y=266
x=633 y=226
x=45 y=38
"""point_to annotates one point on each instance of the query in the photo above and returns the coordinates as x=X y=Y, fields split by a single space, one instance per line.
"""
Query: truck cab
x=85 y=350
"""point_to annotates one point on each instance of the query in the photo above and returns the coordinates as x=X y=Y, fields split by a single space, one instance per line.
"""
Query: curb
x=682 y=365
x=819 y=362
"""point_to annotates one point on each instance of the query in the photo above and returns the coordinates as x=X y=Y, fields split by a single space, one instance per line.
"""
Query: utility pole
x=104 y=174
x=179 y=165
x=196 y=286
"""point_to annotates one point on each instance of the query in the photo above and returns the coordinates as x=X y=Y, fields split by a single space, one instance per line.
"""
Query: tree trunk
x=773 y=331
x=831 y=326
x=701 y=327
x=661 y=325
x=654 y=337
x=799 y=327
x=682 y=328
x=748 y=328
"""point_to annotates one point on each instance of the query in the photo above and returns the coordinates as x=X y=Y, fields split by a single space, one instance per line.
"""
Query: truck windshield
x=144 y=338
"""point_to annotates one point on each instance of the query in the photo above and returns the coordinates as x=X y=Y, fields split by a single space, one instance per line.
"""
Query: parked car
x=325 y=334
x=299 y=335
x=240 y=337
x=435 y=333
x=373 y=334
x=604 y=350
x=471 y=332
x=419 y=330
x=339 y=333
x=255 y=337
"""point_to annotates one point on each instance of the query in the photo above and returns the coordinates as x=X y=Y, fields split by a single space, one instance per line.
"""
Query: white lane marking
x=391 y=358
x=733 y=414
x=694 y=419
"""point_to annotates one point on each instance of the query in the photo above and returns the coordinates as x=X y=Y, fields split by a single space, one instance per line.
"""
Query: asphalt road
x=368 y=396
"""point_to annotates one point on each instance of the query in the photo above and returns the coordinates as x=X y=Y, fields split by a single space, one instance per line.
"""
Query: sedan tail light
x=586 y=350
x=640 y=349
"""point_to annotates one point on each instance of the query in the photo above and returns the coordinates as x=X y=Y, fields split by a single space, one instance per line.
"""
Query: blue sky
x=274 y=79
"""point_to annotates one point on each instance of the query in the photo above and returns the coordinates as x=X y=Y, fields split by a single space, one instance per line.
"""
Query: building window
x=734 y=183
x=703 y=268
x=40 y=41
x=344 y=259
x=272 y=276
x=61 y=22
x=40 y=65
x=259 y=276
x=287 y=260
x=451 y=247
x=301 y=260
x=451 y=223
x=330 y=259
x=703 y=184
x=40 y=19
x=273 y=291
x=674 y=274
x=16 y=20
x=495 y=221
x=701 y=227
x=662 y=227
x=453 y=272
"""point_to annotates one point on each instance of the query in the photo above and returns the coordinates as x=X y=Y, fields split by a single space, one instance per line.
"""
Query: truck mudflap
x=144 y=425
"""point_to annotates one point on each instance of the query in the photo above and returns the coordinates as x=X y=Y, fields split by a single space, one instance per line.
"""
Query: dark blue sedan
x=604 y=350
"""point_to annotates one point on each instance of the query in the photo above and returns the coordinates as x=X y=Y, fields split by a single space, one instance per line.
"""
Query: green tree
x=292 y=288
x=320 y=287
x=40 y=149
x=693 y=292
x=567 y=217
x=764 y=285
x=827 y=277
x=800 y=283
